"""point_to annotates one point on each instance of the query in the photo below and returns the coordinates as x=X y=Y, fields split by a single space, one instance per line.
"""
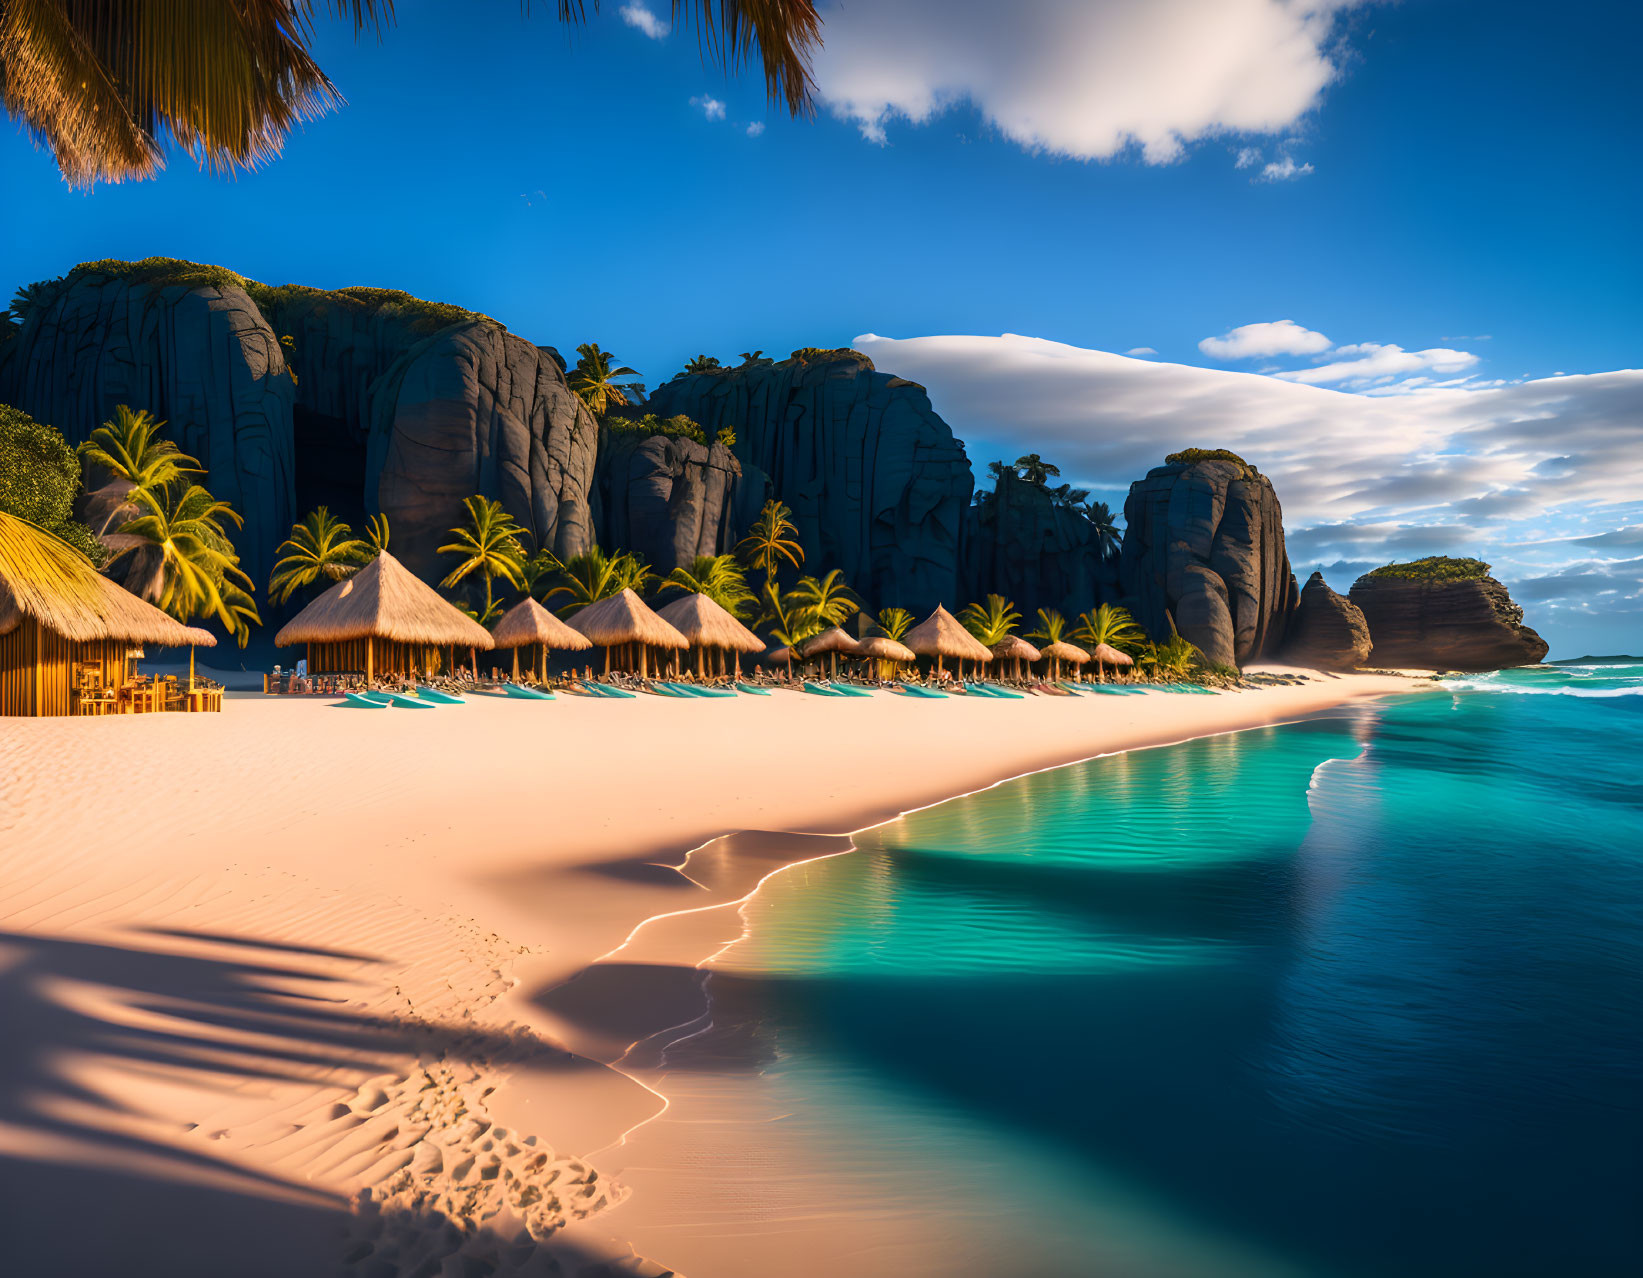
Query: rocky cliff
x=364 y=399
x=669 y=498
x=1204 y=551
x=1444 y=614
x=1328 y=630
x=876 y=480
x=1020 y=543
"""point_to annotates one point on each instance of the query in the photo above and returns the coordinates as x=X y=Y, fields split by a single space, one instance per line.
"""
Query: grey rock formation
x=203 y=359
x=876 y=480
x=1204 y=549
x=1445 y=625
x=474 y=409
x=669 y=499
x=1021 y=544
x=1328 y=630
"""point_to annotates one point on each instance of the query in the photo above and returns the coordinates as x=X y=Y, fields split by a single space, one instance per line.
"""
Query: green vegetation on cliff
x=1188 y=456
x=172 y=272
x=1435 y=568
x=675 y=427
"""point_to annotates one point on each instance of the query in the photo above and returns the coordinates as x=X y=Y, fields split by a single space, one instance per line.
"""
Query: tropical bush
x=39 y=478
x=676 y=427
x=1187 y=456
x=726 y=436
x=1435 y=568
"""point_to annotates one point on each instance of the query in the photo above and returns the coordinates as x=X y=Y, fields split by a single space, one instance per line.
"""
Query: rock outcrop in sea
x=1444 y=614
x=876 y=479
x=1328 y=630
x=669 y=498
x=1203 y=552
x=1021 y=543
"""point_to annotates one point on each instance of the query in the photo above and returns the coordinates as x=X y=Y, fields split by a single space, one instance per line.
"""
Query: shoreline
x=434 y=907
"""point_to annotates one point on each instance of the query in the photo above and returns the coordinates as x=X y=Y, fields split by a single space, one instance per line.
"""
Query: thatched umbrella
x=385 y=609
x=940 y=636
x=884 y=649
x=781 y=654
x=1015 y=648
x=832 y=642
x=1059 y=652
x=624 y=618
x=1104 y=655
x=707 y=624
x=527 y=623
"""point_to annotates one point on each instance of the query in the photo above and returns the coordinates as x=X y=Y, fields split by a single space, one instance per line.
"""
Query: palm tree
x=749 y=358
x=488 y=544
x=1174 y=658
x=719 y=577
x=826 y=601
x=701 y=364
x=593 y=575
x=102 y=85
x=1052 y=628
x=772 y=538
x=592 y=380
x=538 y=572
x=1107 y=540
x=376 y=534
x=993 y=622
x=1108 y=625
x=895 y=622
x=320 y=546
x=1035 y=470
x=129 y=449
x=194 y=570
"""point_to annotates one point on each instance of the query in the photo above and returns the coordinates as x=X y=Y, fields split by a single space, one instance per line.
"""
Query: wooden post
x=370 y=660
x=516 y=665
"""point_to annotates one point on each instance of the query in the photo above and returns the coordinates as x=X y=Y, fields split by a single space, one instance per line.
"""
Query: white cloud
x=755 y=129
x=1370 y=362
x=712 y=108
x=1248 y=157
x=1254 y=341
x=1283 y=170
x=1082 y=78
x=642 y=19
x=1141 y=350
x=1533 y=476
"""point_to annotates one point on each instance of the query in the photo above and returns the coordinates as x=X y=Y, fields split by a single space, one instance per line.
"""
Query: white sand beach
x=278 y=985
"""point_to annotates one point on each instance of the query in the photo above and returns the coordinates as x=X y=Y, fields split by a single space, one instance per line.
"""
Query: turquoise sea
x=1361 y=995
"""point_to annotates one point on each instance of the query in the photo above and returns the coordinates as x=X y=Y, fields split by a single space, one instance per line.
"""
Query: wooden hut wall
x=36 y=667
x=388 y=657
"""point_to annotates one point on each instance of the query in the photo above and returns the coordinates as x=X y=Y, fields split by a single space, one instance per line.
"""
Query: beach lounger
x=997 y=691
x=849 y=690
x=668 y=690
x=607 y=691
x=711 y=692
x=820 y=691
x=401 y=700
x=753 y=688
x=1076 y=687
x=526 y=694
x=929 y=694
x=363 y=702
x=434 y=694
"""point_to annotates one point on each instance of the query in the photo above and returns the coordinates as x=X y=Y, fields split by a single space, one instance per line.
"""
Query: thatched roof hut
x=383 y=619
x=829 y=643
x=941 y=636
x=1104 y=655
x=529 y=625
x=884 y=648
x=57 y=613
x=626 y=619
x=706 y=624
x=1056 y=653
x=1014 y=648
x=528 y=622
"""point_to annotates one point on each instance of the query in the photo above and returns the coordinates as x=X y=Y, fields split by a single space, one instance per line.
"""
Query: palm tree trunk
x=516 y=665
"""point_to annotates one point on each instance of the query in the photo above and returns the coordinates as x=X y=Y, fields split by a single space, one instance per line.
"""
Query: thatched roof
x=1014 y=647
x=384 y=600
x=45 y=578
x=940 y=635
x=779 y=655
x=885 y=649
x=1064 y=652
x=625 y=618
x=830 y=640
x=709 y=625
x=1106 y=653
x=528 y=622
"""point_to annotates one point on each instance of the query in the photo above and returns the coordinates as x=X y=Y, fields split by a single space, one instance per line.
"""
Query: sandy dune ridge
x=292 y=987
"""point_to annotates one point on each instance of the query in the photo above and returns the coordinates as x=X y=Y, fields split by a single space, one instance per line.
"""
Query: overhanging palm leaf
x=103 y=84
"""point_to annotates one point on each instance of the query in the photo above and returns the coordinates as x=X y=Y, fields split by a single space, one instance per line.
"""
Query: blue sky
x=1446 y=190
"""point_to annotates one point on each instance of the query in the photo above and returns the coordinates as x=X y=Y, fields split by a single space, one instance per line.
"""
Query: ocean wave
x=1560 y=681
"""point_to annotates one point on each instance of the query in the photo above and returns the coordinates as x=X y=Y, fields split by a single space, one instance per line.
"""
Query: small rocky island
x=1445 y=613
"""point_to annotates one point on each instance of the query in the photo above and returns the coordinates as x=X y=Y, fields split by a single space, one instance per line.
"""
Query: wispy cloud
x=1283 y=170
x=1367 y=362
x=1262 y=341
x=1248 y=157
x=642 y=19
x=712 y=108
x=755 y=129
x=1140 y=350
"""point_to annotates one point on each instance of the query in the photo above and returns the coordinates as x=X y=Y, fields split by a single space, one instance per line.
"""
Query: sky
x=1386 y=251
